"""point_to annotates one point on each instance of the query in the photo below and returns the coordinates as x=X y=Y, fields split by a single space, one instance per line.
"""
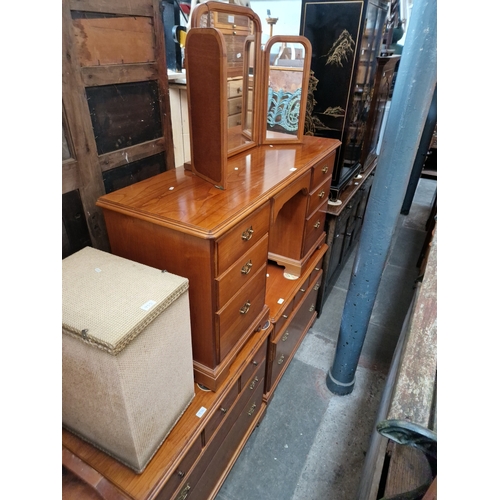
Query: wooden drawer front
x=234 y=106
x=241 y=238
x=286 y=342
x=257 y=360
x=241 y=272
x=231 y=22
x=318 y=196
x=315 y=225
x=221 y=413
x=235 y=88
x=283 y=318
x=234 y=120
x=315 y=272
x=231 y=447
x=239 y=313
x=181 y=474
x=323 y=170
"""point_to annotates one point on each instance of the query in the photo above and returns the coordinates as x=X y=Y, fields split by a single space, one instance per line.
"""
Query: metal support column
x=423 y=149
x=410 y=105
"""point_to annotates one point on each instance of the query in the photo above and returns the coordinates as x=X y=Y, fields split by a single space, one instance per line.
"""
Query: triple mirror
x=240 y=95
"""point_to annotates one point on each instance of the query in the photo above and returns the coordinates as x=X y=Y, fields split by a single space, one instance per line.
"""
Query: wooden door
x=116 y=112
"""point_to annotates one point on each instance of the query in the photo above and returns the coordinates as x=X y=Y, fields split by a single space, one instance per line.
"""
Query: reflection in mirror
x=287 y=63
x=241 y=30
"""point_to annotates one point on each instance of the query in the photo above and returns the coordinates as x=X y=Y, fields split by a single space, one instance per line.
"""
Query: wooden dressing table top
x=180 y=200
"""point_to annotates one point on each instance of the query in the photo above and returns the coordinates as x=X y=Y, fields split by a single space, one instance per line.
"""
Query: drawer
x=182 y=472
x=231 y=22
x=322 y=170
x=222 y=410
x=318 y=196
x=257 y=360
x=245 y=399
x=235 y=88
x=315 y=225
x=241 y=238
x=234 y=120
x=241 y=272
x=234 y=106
x=240 y=312
x=283 y=318
x=286 y=342
x=231 y=445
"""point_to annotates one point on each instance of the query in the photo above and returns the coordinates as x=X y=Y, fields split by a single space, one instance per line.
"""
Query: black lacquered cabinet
x=346 y=38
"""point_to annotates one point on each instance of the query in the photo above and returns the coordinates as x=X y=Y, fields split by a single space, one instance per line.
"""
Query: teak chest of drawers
x=273 y=207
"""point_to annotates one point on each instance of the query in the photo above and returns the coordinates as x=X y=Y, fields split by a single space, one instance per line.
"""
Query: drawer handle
x=252 y=409
x=255 y=363
x=325 y=169
x=321 y=195
x=254 y=382
x=239 y=89
x=317 y=225
x=316 y=286
x=285 y=336
x=282 y=358
x=311 y=309
x=223 y=410
x=184 y=493
x=302 y=290
x=247 y=235
x=285 y=316
x=180 y=473
x=245 y=308
x=317 y=268
x=247 y=267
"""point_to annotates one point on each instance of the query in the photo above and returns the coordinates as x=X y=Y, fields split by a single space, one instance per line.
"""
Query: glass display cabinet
x=346 y=38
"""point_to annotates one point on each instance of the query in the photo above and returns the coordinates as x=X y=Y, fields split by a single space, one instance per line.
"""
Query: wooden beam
x=81 y=132
x=121 y=157
x=118 y=73
x=70 y=177
x=135 y=8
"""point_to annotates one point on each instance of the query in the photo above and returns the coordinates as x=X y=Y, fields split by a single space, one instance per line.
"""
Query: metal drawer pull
x=246 y=235
x=254 y=381
x=282 y=358
x=252 y=409
x=180 y=473
x=184 y=493
x=317 y=225
x=245 y=308
x=316 y=286
x=247 y=267
x=311 y=309
x=285 y=316
x=321 y=195
x=285 y=336
x=325 y=169
x=255 y=363
x=317 y=268
x=223 y=410
x=302 y=290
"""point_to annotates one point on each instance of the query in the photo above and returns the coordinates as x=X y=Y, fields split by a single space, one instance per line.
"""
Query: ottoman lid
x=109 y=300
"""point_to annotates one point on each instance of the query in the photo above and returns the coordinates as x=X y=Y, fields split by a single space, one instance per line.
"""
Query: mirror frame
x=265 y=73
x=207 y=8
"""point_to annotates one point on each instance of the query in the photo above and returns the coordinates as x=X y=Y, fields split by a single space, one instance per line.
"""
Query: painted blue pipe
x=412 y=96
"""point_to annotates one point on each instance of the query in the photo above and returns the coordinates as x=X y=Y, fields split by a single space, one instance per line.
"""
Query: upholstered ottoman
x=127 y=368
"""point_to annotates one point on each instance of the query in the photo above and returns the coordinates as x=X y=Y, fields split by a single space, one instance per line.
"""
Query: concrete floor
x=311 y=444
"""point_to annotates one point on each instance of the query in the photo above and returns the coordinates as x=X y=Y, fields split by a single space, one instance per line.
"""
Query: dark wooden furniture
x=116 y=119
x=343 y=227
x=346 y=37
